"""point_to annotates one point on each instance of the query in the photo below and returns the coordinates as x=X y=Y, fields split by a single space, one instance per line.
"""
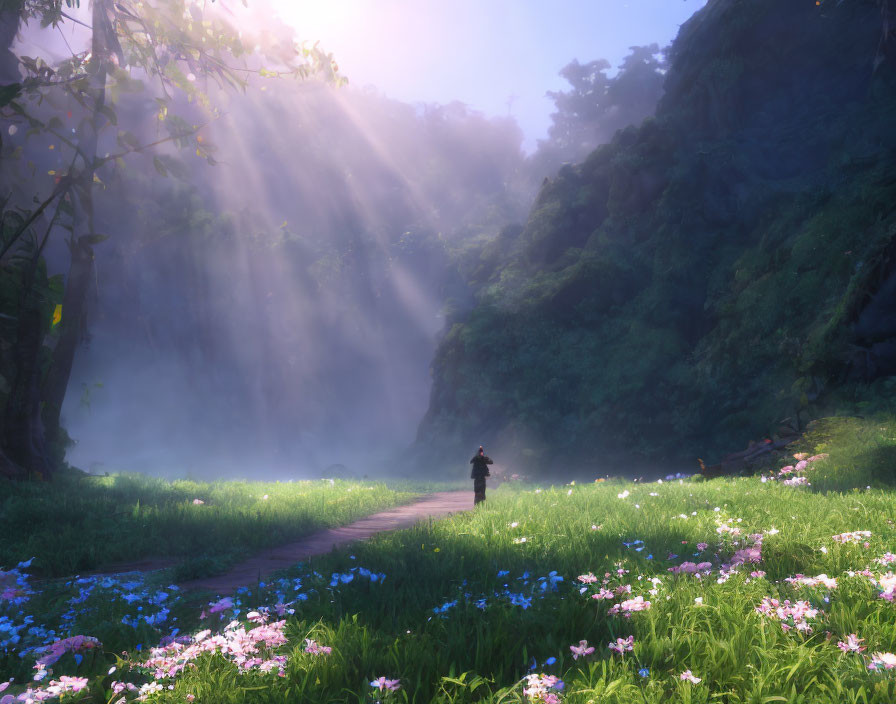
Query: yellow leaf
x=57 y=314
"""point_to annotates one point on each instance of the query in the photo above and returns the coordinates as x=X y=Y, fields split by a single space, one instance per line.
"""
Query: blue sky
x=486 y=53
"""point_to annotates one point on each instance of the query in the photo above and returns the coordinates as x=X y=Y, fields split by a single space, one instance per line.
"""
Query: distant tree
x=166 y=48
x=597 y=105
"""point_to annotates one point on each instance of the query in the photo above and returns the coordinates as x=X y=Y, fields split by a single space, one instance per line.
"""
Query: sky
x=497 y=56
x=494 y=55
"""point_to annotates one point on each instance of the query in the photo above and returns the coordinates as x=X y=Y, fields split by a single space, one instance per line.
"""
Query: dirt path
x=262 y=564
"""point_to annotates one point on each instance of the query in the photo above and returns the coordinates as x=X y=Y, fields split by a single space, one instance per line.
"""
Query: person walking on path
x=480 y=471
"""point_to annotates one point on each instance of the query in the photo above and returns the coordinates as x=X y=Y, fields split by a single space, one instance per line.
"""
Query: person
x=480 y=471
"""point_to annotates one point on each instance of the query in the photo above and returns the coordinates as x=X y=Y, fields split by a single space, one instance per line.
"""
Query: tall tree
x=172 y=46
x=597 y=105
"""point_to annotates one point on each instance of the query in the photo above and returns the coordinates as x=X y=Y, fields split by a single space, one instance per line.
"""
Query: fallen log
x=737 y=462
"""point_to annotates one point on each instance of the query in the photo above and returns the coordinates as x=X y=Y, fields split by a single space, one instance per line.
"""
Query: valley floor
x=751 y=589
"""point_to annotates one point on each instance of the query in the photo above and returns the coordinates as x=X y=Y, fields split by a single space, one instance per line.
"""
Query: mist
x=273 y=311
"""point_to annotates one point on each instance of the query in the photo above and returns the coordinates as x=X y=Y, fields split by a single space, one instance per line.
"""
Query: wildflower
x=581 y=650
x=753 y=554
x=514 y=524
x=517 y=541
x=853 y=644
x=623 y=494
x=221 y=605
x=702 y=546
x=852 y=537
x=382 y=683
x=822 y=579
x=791 y=615
x=698 y=601
x=630 y=606
x=887 y=584
x=316 y=649
x=882 y=661
x=198 y=502
x=644 y=672
x=75 y=644
x=690 y=567
x=150 y=688
x=687 y=675
x=622 y=645
x=539 y=686
x=587 y=578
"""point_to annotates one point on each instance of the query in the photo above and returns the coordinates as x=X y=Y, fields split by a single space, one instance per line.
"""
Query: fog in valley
x=270 y=308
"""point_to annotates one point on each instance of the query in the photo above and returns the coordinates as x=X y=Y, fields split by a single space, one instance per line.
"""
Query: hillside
x=725 y=266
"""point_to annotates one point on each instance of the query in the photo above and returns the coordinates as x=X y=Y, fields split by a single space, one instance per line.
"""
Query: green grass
x=425 y=622
x=80 y=522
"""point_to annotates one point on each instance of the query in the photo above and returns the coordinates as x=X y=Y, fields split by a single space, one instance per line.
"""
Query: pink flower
x=688 y=675
x=622 y=645
x=225 y=603
x=587 y=578
x=753 y=554
x=198 y=502
x=317 y=649
x=581 y=650
x=382 y=683
x=604 y=593
x=853 y=644
x=882 y=661
x=75 y=644
x=539 y=686
x=630 y=606
x=702 y=546
x=852 y=537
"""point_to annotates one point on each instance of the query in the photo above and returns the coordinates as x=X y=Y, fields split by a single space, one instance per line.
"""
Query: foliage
x=597 y=105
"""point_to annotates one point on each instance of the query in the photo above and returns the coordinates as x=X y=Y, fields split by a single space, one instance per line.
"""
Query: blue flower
x=644 y=672
x=550 y=661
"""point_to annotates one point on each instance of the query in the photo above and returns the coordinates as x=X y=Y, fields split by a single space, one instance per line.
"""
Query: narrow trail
x=262 y=564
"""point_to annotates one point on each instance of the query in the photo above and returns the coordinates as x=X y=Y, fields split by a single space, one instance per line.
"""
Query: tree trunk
x=74 y=313
x=25 y=441
x=9 y=27
x=74 y=305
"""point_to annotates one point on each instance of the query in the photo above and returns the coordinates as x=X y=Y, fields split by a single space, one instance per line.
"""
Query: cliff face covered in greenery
x=726 y=265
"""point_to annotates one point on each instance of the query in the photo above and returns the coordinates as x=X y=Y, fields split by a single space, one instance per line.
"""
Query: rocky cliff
x=726 y=265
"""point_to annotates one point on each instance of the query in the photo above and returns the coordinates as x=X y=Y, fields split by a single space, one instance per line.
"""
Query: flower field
x=752 y=589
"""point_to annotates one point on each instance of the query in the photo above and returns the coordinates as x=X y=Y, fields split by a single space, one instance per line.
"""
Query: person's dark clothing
x=478 y=474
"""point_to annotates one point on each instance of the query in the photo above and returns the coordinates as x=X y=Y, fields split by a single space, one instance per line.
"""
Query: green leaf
x=160 y=167
x=128 y=139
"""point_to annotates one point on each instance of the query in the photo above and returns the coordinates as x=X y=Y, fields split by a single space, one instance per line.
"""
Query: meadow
x=770 y=588
x=81 y=522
